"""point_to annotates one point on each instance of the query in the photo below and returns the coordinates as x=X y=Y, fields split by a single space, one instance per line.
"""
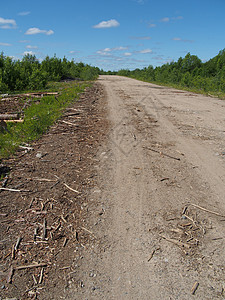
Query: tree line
x=187 y=72
x=30 y=73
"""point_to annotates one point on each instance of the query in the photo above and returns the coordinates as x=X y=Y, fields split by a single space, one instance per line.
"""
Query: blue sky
x=113 y=34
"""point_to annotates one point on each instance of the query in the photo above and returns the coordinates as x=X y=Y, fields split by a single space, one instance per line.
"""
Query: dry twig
x=194 y=288
x=176 y=242
x=207 y=210
x=71 y=189
x=31 y=266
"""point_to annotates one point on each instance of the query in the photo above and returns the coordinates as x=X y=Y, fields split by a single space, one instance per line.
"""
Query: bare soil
x=148 y=219
x=53 y=179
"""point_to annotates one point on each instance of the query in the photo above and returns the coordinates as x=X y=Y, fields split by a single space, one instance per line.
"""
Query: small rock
x=39 y=155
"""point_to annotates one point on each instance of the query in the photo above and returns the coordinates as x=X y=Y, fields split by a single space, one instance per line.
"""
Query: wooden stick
x=71 y=188
x=42 y=179
x=14 y=121
x=69 y=123
x=207 y=210
x=44 y=230
x=13 y=190
x=176 y=242
x=9 y=117
x=194 y=288
x=88 y=231
x=153 y=252
x=31 y=266
x=65 y=242
x=13 y=252
x=18 y=243
x=41 y=276
x=26 y=148
x=161 y=153
x=10 y=190
x=10 y=275
x=35 y=280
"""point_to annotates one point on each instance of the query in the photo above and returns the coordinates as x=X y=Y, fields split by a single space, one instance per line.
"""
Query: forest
x=31 y=74
x=188 y=72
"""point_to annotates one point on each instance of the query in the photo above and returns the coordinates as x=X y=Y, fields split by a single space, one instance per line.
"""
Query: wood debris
x=194 y=287
x=207 y=210
x=161 y=153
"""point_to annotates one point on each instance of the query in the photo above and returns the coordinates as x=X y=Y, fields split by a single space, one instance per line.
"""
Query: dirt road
x=165 y=151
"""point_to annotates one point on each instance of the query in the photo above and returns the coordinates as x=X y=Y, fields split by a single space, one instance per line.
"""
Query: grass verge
x=38 y=117
x=216 y=94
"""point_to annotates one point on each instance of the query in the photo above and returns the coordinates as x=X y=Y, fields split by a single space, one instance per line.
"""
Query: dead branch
x=41 y=276
x=71 y=188
x=9 y=117
x=161 y=153
x=35 y=280
x=69 y=123
x=42 y=179
x=194 y=288
x=10 y=275
x=18 y=243
x=152 y=254
x=44 y=230
x=88 y=231
x=65 y=242
x=31 y=266
x=14 y=121
x=207 y=210
x=176 y=242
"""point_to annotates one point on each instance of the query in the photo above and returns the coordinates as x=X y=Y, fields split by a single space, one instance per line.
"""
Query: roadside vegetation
x=187 y=73
x=39 y=116
x=31 y=74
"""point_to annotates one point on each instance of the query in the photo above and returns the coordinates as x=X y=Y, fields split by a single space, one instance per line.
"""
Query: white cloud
x=118 y=48
x=31 y=47
x=178 y=18
x=152 y=25
x=35 y=30
x=5 y=44
x=24 y=13
x=107 y=24
x=24 y=41
x=140 y=1
x=7 y=23
x=107 y=51
x=103 y=53
x=176 y=39
x=144 y=51
x=140 y=37
x=127 y=54
x=28 y=52
x=165 y=19
x=74 y=52
x=182 y=40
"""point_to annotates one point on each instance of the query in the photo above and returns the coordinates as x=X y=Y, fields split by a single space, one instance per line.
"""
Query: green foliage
x=29 y=73
x=89 y=73
x=188 y=72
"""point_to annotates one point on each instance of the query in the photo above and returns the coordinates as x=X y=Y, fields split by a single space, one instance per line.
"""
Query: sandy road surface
x=166 y=148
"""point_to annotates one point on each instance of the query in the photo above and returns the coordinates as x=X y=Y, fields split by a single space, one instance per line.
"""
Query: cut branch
x=207 y=210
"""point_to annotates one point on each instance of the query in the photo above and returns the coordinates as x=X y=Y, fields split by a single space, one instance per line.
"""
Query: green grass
x=217 y=94
x=39 y=117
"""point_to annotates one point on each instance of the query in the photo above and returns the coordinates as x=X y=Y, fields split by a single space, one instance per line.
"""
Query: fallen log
x=9 y=117
x=14 y=121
